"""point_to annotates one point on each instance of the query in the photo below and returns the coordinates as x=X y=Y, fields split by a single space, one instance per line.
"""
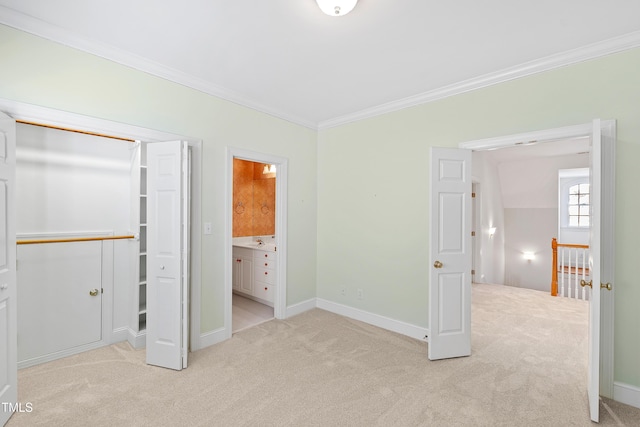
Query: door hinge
x=473 y=272
x=473 y=234
x=102 y=290
x=473 y=195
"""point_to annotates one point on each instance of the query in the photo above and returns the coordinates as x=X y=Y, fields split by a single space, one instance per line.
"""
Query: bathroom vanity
x=254 y=271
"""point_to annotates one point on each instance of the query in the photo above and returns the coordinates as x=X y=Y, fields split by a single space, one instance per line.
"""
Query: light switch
x=207 y=228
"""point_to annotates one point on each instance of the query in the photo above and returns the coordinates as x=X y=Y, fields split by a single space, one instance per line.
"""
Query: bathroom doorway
x=254 y=250
x=256 y=234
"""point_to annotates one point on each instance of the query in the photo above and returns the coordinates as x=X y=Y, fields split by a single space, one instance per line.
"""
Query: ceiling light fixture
x=336 y=7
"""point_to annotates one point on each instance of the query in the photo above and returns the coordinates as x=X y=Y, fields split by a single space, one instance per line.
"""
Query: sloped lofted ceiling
x=288 y=59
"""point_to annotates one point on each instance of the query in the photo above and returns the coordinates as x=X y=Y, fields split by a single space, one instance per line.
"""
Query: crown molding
x=595 y=50
x=56 y=34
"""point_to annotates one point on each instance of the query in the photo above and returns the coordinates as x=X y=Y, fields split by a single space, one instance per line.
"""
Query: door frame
x=280 y=298
x=50 y=116
x=607 y=222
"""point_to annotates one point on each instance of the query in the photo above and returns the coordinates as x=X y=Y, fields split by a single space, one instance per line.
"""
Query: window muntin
x=578 y=205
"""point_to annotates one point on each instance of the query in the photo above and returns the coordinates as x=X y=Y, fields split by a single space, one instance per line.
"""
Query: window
x=578 y=205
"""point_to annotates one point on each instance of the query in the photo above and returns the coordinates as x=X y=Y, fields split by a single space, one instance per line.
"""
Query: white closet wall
x=75 y=184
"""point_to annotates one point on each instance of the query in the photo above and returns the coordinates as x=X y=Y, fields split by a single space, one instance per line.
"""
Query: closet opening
x=85 y=190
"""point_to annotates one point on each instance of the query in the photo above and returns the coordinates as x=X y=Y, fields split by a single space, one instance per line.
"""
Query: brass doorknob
x=93 y=292
x=607 y=286
x=583 y=283
x=437 y=264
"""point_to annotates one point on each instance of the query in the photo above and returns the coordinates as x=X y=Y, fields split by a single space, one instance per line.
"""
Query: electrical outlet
x=360 y=293
x=207 y=228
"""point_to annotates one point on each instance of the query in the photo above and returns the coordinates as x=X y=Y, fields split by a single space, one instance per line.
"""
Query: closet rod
x=74 y=239
x=86 y=132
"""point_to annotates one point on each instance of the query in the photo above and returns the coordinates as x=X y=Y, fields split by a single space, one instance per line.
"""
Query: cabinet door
x=246 y=275
x=236 y=273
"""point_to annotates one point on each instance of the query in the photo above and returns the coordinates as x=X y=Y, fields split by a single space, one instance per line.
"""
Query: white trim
x=57 y=34
x=584 y=53
x=195 y=280
x=608 y=130
x=213 y=337
x=60 y=35
x=280 y=297
x=119 y=334
x=137 y=339
x=49 y=357
x=49 y=116
x=383 y=322
x=607 y=244
x=627 y=394
x=301 y=307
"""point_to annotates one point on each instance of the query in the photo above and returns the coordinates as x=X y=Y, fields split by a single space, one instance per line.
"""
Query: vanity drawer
x=264 y=275
x=264 y=263
x=264 y=291
x=266 y=255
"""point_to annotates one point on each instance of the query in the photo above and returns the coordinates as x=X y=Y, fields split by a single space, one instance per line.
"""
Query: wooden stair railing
x=567 y=269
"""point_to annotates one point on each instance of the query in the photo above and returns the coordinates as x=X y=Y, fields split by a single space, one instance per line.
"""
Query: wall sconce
x=269 y=169
x=492 y=231
x=529 y=256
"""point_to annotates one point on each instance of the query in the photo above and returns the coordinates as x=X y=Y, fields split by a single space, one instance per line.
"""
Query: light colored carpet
x=528 y=368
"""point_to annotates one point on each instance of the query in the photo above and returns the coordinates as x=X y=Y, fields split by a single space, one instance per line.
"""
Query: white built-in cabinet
x=254 y=273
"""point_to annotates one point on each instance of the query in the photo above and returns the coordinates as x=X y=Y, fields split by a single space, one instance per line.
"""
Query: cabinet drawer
x=265 y=275
x=264 y=263
x=263 y=291
x=271 y=256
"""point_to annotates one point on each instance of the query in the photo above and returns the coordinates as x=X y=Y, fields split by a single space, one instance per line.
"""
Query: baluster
x=562 y=272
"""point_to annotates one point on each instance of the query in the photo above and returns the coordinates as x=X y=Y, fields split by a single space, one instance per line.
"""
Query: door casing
x=607 y=243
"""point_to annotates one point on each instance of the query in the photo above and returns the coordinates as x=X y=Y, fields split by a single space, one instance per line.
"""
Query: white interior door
x=450 y=254
x=593 y=370
x=8 y=292
x=167 y=257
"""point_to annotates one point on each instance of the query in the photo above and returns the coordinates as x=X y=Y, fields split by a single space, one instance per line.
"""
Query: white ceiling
x=288 y=59
x=527 y=151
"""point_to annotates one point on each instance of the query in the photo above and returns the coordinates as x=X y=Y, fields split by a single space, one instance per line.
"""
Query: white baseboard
x=210 y=338
x=301 y=307
x=137 y=339
x=383 y=322
x=219 y=335
x=627 y=394
x=60 y=354
x=119 y=334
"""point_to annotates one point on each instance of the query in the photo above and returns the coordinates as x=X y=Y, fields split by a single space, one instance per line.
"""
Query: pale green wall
x=37 y=71
x=372 y=176
x=373 y=187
